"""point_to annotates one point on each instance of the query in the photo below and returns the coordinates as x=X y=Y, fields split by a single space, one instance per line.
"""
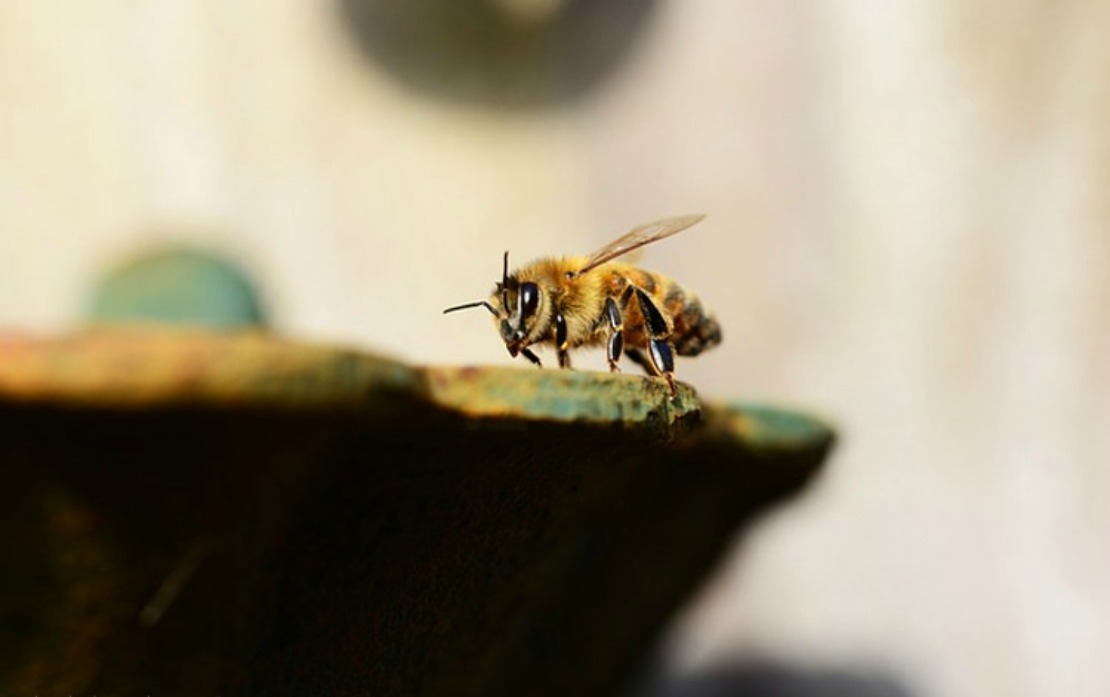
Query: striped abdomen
x=695 y=330
x=693 y=327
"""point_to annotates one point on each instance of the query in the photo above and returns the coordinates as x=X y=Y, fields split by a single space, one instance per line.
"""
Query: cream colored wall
x=907 y=232
x=258 y=129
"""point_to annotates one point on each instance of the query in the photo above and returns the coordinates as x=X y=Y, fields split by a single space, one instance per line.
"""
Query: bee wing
x=638 y=237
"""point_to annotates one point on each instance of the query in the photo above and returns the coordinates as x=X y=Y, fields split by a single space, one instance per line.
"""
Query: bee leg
x=662 y=356
x=561 y=342
x=632 y=352
x=527 y=353
x=637 y=356
x=616 y=334
x=659 y=348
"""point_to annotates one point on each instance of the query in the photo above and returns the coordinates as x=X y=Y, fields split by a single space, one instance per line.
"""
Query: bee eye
x=529 y=299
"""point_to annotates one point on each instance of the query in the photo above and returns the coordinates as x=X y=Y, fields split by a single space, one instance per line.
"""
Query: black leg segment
x=662 y=356
x=656 y=325
x=561 y=343
x=527 y=353
x=659 y=346
x=613 y=314
x=616 y=334
x=616 y=347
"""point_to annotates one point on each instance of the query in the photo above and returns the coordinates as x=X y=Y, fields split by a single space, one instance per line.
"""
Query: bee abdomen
x=695 y=329
x=705 y=334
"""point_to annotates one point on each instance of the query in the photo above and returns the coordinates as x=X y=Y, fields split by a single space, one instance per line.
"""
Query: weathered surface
x=229 y=513
x=601 y=399
x=145 y=368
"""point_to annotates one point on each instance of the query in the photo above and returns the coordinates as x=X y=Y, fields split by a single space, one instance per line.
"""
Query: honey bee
x=589 y=301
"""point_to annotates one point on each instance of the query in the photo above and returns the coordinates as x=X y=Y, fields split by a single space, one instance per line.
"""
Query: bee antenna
x=505 y=281
x=467 y=306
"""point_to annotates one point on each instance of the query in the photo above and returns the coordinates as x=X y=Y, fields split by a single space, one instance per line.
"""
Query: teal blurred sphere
x=178 y=286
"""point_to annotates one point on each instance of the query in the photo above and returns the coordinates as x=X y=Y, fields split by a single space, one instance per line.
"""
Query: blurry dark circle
x=505 y=53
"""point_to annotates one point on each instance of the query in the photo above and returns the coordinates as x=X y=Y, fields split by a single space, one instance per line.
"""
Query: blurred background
x=908 y=233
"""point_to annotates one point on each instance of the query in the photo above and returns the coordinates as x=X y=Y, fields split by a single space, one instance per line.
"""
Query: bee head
x=517 y=308
x=520 y=312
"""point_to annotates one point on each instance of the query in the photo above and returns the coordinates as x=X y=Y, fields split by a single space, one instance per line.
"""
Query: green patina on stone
x=561 y=395
x=769 y=427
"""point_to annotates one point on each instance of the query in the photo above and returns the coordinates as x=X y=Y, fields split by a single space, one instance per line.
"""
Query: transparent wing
x=638 y=237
